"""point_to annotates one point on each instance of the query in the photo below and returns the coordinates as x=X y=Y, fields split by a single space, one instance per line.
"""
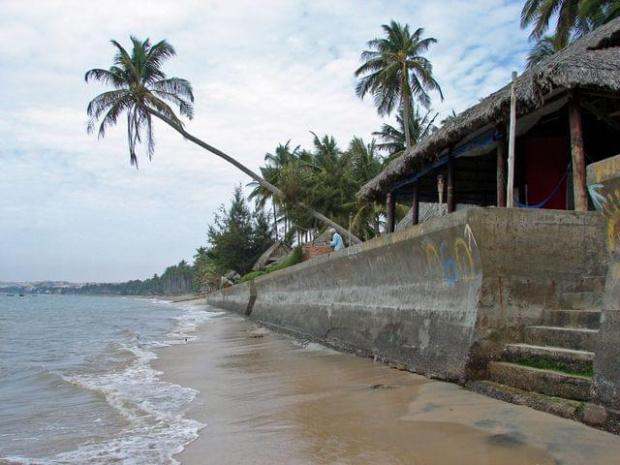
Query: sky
x=71 y=206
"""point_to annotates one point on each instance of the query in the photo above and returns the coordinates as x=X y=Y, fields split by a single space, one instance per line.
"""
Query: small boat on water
x=22 y=295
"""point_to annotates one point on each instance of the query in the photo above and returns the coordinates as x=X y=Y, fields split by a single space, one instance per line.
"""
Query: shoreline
x=268 y=398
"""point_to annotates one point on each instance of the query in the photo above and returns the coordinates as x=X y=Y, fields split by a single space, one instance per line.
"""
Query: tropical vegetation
x=393 y=138
x=238 y=236
x=295 y=182
x=141 y=92
x=573 y=19
x=176 y=280
x=395 y=72
x=325 y=177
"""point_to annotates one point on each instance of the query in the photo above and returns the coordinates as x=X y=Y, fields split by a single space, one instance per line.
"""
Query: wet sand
x=269 y=399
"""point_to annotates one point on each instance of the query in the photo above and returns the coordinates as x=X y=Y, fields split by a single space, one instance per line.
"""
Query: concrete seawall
x=604 y=187
x=441 y=298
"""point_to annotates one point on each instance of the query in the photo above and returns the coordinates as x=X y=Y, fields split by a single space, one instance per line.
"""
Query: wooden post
x=440 y=187
x=511 y=143
x=451 y=202
x=390 y=208
x=577 y=153
x=501 y=172
x=415 y=207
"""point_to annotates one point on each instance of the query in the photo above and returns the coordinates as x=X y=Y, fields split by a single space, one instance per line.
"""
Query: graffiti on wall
x=608 y=203
x=448 y=260
x=606 y=199
x=606 y=169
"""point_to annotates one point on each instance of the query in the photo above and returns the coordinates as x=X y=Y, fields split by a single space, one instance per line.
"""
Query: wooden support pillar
x=511 y=143
x=415 y=206
x=451 y=202
x=577 y=153
x=501 y=172
x=390 y=210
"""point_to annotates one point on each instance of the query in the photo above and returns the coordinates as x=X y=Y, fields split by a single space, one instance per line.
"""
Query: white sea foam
x=153 y=408
x=114 y=362
x=190 y=320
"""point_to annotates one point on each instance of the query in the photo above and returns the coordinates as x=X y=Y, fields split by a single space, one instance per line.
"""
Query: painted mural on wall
x=448 y=259
x=604 y=189
x=607 y=201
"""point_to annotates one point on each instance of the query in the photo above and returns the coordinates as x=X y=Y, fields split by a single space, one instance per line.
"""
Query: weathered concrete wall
x=604 y=187
x=409 y=297
x=530 y=258
x=439 y=298
x=238 y=298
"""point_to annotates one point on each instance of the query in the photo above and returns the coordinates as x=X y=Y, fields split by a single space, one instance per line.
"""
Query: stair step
x=565 y=408
x=551 y=383
x=588 y=319
x=567 y=338
x=581 y=300
x=567 y=359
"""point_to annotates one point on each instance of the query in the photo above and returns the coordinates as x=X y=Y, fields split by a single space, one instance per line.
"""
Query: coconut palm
x=540 y=12
x=273 y=173
x=451 y=117
x=366 y=163
x=142 y=91
x=394 y=138
x=543 y=48
x=608 y=11
x=574 y=18
x=365 y=160
x=395 y=71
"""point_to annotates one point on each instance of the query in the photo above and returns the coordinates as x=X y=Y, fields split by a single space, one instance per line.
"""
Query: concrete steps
x=581 y=300
x=557 y=406
x=552 y=366
x=576 y=361
x=557 y=336
x=587 y=319
x=548 y=382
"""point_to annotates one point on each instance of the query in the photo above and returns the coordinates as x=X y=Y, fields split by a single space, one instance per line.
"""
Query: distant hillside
x=40 y=287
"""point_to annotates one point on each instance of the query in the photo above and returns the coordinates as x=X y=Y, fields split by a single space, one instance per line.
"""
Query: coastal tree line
x=238 y=236
x=305 y=189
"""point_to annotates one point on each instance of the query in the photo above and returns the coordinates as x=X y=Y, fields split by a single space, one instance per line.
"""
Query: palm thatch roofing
x=591 y=62
x=274 y=254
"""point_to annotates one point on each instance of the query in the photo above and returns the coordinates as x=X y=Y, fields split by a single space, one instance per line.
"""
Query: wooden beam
x=415 y=207
x=390 y=210
x=501 y=172
x=599 y=114
x=451 y=202
x=577 y=154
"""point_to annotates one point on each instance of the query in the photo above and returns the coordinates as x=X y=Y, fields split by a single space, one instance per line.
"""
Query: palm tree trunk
x=267 y=185
x=275 y=219
x=406 y=110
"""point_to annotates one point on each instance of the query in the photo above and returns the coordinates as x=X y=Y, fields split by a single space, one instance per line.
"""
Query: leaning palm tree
x=141 y=92
x=395 y=72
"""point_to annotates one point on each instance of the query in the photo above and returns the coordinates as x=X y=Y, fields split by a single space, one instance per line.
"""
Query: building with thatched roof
x=274 y=254
x=567 y=116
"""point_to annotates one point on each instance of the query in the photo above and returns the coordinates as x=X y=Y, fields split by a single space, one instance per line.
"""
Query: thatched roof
x=274 y=254
x=592 y=62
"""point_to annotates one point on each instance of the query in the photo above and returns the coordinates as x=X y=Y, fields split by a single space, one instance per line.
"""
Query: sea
x=76 y=382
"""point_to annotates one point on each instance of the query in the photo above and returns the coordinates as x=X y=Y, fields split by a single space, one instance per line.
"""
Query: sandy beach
x=267 y=398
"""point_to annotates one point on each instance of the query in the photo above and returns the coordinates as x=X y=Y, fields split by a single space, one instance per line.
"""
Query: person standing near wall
x=337 y=243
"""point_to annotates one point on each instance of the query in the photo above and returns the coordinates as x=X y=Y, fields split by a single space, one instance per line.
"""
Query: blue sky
x=71 y=207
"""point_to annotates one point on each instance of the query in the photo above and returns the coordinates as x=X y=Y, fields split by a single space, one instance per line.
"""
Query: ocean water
x=76 y=385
